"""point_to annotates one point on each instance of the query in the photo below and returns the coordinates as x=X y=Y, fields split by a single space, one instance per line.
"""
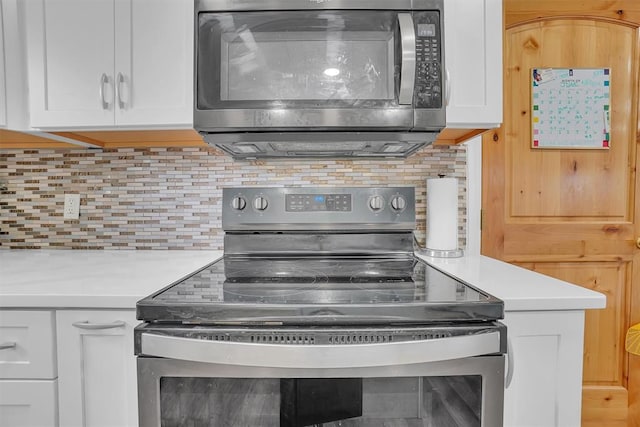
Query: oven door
x=455 y=381
x=333 y=70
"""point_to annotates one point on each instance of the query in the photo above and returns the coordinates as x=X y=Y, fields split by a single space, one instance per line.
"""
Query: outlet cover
x=71 y=206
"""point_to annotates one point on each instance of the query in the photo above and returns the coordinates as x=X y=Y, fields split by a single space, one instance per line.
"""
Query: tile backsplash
x=169 y=198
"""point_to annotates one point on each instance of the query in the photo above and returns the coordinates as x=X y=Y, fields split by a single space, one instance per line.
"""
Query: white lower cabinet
x=27 y=369
x=545 y=348
x=96 y=368
x=28 y=403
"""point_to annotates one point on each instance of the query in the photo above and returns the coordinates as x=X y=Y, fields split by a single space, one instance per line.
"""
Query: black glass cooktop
x=316 y=290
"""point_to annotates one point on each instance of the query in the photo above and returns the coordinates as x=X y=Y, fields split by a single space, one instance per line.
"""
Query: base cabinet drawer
x=28 y=403
x=27 y=344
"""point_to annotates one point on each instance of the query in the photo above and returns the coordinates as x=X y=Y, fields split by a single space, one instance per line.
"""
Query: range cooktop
x=318 y=290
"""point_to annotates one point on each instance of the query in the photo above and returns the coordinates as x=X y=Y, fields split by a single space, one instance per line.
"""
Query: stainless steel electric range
x=320 y=314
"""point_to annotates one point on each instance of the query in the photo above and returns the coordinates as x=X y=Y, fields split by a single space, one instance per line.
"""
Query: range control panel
x=318 y=202
x=304 y=208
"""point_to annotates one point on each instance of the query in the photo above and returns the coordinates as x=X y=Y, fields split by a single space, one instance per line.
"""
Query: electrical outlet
x=71 y=206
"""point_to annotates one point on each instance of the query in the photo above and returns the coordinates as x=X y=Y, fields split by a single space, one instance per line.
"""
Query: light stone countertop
x=519 y=288
x=91 y=278
x=118 y=279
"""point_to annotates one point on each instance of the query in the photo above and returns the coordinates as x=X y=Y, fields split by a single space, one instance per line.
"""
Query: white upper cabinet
x=3 y=87
x=473 y=57
x=105 y=63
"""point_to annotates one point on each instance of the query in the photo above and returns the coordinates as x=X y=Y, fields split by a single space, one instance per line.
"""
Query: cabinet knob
x=638 y=242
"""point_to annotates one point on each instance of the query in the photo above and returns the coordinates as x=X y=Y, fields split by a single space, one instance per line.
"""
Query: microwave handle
x=408 y=58
x=320 y=356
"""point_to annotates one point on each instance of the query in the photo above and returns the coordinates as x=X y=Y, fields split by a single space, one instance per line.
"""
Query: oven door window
x=402 y=401
x=294 y=59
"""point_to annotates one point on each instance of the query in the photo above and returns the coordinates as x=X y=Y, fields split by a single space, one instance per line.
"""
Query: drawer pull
x=7 y=345
x=93 y=326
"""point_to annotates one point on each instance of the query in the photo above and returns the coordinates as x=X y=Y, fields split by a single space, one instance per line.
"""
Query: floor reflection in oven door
x=448 y=401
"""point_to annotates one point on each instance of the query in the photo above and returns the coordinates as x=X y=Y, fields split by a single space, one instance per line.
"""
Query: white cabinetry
x=97 y=368
x=3 y=87
x=473 y=58
x=28 y=389
x=546 y=351
x=105 y=63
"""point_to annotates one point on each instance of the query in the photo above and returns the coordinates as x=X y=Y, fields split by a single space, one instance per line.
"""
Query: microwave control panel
x=429 y=84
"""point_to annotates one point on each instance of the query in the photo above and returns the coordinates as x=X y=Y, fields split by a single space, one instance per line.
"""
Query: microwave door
x=294 y=70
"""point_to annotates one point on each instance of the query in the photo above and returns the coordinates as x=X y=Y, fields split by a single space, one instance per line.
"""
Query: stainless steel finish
x=119 y=82
x=95 y=326
x=391 y=130
x=238 y=203
x=447 y=92
x=296 y=244
x=320 y=356
x=438 y=253
x=408 y=62
x=376 y=203
x=249 y=5
x=245 y=146
x=7 y=345
x=491 y=368
x=104 y=79
x=325 y=119
x=361 y=218
x=398 y=203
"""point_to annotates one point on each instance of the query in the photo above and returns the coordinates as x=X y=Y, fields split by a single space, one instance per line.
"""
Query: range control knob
x=376 y=203
x=238 y=203
x=260 y=203
x=398 y=203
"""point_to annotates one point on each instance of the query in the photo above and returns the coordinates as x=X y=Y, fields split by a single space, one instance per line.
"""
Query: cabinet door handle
x=7 y=345
x=638 y=243
x=119 y=81
x=511 y=364
x=88 y=325
x=104 y=79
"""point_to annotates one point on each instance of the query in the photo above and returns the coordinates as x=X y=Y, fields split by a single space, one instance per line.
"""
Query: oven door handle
x=320 y=356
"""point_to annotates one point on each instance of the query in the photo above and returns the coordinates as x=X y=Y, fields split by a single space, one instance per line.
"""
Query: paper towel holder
x=438 y=253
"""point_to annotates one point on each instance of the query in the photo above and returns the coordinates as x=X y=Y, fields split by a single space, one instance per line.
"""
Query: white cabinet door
x=3 y=88
x=473 y=57
x=154 y=62
x=100 y=63
x=70 y=60
x=28 y=403
x=97 y=368
x=548 y=391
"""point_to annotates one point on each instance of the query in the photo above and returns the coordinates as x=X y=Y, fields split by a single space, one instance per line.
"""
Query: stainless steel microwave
x=319 y=78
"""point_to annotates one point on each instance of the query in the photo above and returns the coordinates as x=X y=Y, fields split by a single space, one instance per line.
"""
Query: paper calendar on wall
x=570 y=107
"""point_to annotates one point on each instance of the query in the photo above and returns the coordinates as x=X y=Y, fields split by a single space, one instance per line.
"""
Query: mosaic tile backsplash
x=170 y=198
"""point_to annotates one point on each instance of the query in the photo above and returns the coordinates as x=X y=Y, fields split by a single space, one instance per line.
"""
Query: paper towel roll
x=442 y=214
